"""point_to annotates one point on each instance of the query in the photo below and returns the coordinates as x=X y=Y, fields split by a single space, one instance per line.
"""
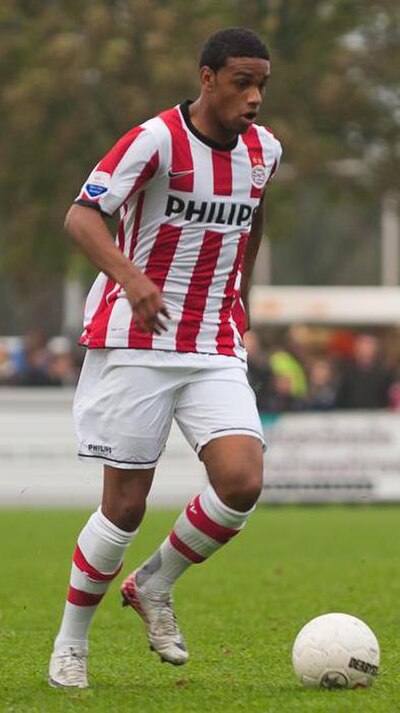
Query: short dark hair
x=231 y=42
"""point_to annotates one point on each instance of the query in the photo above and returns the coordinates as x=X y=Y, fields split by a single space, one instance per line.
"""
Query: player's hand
x=147 y=305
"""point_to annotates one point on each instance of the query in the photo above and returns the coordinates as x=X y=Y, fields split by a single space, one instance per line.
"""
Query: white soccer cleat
x=68 y=668
x=162 y=630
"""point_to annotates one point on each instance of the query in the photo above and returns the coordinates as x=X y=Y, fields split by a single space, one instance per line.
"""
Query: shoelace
x=165 y=624
x=73 y=666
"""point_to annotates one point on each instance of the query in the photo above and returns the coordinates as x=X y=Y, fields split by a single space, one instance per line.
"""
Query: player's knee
x=241 y=489
x=244 y=494
x=237 y=474
x=125 y=514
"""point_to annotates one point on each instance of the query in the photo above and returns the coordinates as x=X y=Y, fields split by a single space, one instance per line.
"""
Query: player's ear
x=207 y=78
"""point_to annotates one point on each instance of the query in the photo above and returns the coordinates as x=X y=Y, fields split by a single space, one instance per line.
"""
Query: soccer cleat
x=162 y=630
x=68 y=668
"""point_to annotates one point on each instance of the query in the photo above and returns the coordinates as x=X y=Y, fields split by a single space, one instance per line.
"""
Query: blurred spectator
x=321 y=386
x=6 y=366
x=62 y=369
x=394 y=396
x=39 y=361
x=280 y=398
x=35 y=372
x=283 y=363
x=259 y=373
x=279 y=380
x=30 y=358
x=341 y=344
x=364 y=382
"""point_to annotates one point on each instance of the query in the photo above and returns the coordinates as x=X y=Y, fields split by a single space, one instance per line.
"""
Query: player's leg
x=217 y=414
x=121 y=423
x=235 y=468
x=97 y=560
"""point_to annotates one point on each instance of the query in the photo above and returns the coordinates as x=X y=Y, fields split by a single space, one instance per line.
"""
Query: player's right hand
x=148 y=307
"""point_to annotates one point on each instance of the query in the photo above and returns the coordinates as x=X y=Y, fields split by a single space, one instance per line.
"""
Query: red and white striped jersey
x=186 y=206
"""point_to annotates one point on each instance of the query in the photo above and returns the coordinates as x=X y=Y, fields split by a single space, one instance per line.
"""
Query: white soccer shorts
x=123 y=414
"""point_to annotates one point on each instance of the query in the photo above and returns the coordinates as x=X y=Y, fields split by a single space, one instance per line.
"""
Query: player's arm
x=89 y=231
x=253 y=245
x=119 y=175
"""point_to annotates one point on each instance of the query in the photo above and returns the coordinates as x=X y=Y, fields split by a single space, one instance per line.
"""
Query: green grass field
x=239 y=612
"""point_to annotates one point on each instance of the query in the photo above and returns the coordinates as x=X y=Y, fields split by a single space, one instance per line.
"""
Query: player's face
x=235 y=92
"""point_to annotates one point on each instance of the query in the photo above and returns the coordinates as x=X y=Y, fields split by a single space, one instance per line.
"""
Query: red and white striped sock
x=96 y=561
x=202 y=528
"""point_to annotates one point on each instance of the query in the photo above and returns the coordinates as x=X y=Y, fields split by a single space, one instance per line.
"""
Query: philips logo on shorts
x=98 y=449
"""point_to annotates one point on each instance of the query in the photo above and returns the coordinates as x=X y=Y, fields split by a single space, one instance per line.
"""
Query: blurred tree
x=74 y=76
x=336 y=107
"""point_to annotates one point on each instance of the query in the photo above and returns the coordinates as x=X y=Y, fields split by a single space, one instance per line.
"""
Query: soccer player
x=163 y=325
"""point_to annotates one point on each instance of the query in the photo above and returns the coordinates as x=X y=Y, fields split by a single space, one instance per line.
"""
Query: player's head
x=234 y=68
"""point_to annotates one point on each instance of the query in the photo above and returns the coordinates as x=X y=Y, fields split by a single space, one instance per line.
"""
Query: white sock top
x=221 y=513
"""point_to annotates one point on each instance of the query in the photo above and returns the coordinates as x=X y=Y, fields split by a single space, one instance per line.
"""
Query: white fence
x=337 y=456
x=311 y=457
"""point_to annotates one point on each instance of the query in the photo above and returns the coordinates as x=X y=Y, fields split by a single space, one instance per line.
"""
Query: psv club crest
x=258 y=175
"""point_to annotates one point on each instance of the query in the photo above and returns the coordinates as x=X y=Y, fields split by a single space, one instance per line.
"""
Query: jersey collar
x=184 y=108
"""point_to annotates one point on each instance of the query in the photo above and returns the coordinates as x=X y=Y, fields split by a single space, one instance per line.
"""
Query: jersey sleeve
x=122 y=172
x=277 y=153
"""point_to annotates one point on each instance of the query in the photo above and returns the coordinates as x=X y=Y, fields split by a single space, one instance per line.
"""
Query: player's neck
x=207 y=125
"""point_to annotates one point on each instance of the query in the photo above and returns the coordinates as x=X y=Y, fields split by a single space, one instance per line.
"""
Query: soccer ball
x=336 y=651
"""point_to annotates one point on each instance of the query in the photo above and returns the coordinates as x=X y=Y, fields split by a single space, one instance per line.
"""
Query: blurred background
x=75 y=76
